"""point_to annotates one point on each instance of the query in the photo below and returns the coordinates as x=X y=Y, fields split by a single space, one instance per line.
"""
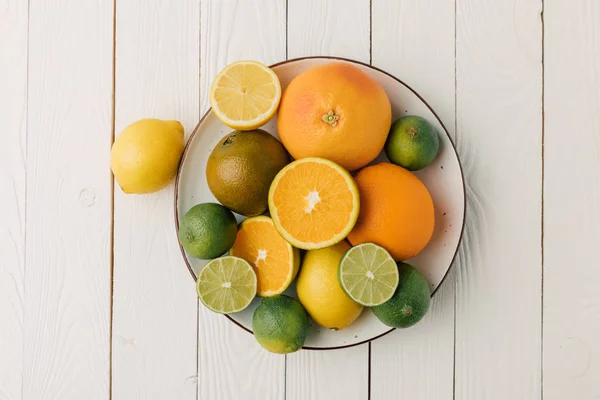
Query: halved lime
x=368 y=274
x=226 y=285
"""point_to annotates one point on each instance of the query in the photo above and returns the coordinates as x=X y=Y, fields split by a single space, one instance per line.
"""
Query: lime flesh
x=226 y=285
x=368 y=274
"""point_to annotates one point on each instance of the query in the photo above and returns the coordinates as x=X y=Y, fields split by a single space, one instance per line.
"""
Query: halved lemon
x=273 y=259
x=314 y=203
x=245 y=95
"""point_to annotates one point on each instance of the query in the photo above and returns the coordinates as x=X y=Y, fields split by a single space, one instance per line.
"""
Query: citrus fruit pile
x=316 y=191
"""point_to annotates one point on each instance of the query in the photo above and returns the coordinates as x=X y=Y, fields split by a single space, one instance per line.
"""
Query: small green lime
x=280 y=324
x=410 y=302
x=412 y=143
x=207 y=230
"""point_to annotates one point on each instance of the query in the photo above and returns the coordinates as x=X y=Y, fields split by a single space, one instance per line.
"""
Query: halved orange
x=273 y=259
x=314 y=203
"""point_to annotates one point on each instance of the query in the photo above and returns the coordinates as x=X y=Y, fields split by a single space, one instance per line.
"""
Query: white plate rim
x=293 y=60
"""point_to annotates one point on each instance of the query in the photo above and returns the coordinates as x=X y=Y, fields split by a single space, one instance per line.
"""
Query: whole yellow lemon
x=320 y=292
x=145 y=156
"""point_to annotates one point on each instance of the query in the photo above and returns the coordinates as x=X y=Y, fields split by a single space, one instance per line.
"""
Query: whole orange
x=334 y=111
x=396 y=211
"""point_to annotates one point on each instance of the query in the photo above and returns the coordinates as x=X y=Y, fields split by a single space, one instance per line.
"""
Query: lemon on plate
x=320 y=292
x=245 y=95
x=226 y=285
x=145 y=156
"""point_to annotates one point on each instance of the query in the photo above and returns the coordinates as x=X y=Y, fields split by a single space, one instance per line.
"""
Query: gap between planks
x=542 y=213
x=112 y=205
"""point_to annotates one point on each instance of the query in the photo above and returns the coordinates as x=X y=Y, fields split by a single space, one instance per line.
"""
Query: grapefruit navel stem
x=330 y=118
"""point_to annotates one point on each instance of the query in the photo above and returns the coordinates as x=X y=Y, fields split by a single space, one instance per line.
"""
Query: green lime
x=412 y=143
x=207 y=230
x=410 y=302
x=280 y=324
x=240 y=170
x=226 y=285
x=368 y=274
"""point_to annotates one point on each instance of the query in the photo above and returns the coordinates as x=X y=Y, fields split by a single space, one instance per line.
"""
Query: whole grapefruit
x=335 y=111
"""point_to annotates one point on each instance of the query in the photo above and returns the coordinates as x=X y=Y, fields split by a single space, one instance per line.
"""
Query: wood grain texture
x=329 y=28
x=231 y=363
x=571 y=193
x=499 y=137
x=418 y=362
x=330 y=374
x=67 y=279
x=13 y=165
x=155 y=303
x=336 y=28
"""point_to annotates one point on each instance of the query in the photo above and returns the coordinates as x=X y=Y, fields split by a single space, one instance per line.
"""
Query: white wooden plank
x=13 y=163
x=571 y=191
x=231 y=363
x=155 y=303
x=418 y=362
x=328 y=374
x=330 y=28
x=499 y=136
x=67 y=279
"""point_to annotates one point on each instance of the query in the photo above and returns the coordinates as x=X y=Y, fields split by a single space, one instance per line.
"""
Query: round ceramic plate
x=443 y=178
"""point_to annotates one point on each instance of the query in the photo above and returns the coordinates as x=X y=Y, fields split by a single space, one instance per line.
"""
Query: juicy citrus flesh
x=314 y=203
x=226 y=285
x=397 y=211
x=368 y=274
x=274 y=260
x=145 y=155
x=353 y=134
x=245 y=95
x=319 y=289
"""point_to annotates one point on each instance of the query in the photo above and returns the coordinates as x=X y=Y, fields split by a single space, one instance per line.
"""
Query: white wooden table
x=95 y=300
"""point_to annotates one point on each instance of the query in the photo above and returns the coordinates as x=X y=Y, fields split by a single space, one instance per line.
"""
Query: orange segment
x=314 y=203
x=273 y=259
